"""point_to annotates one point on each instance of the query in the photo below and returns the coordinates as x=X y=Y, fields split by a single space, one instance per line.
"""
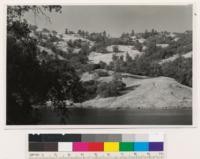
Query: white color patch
x=65 y=146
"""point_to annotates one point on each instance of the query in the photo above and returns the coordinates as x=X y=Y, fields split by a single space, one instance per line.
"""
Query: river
x=91 y=116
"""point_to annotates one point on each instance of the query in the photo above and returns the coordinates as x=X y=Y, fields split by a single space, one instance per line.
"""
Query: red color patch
x=96 y=146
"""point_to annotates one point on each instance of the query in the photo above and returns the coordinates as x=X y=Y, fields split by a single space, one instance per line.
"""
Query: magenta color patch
x=80 y=146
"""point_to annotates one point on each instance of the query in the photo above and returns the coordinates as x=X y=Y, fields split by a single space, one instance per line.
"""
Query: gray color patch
x=88 y=137
x=101 y=137
x=115 y=137
x=141 y=137
x=128 y=137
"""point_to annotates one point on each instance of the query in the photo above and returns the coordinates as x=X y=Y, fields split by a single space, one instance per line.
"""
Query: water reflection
x=115 y=117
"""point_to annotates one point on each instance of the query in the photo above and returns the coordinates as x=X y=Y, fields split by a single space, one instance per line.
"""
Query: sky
x=117 y=19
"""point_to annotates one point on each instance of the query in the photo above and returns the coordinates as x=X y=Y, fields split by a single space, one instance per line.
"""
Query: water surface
x=89 y=116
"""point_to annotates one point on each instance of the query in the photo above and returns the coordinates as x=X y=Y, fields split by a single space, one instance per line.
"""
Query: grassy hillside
x=160 y=92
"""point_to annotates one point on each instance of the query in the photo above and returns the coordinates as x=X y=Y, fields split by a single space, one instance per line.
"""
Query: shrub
x=102 y=65
x=115 y=48
x=99 y=47
x=102 y=73
x=110 y=89
x=138 y=45
x=179 y=69
x=90 y=67
x=90 y=88
x=103 y=89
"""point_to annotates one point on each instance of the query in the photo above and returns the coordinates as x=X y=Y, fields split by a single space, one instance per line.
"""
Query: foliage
x=148 y=63
x=102 y=73
x=138 y=45
x=83 y=33
x=15 y=13
x=180 y=69
x=102 y=65
x=90 y=89
x=115 y=48
x=132 y=32
x=29 y=80
x=85 y=50
x=62 y=81
x=99 y=47
x=112 y=88
x=118 y=64
x=98 y=37
x=22 y=70
x=148 y=34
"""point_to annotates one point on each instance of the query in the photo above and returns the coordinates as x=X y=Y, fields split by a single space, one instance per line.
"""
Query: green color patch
x=126 y=146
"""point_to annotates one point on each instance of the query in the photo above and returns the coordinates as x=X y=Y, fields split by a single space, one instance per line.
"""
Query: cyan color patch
x=141 y=146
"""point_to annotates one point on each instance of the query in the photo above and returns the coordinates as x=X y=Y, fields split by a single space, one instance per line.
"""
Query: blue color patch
x=141 y=146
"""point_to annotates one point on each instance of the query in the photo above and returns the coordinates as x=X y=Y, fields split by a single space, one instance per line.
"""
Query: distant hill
x=96 y=57
x=54 y=45
x=149 y=53
x=52 y=42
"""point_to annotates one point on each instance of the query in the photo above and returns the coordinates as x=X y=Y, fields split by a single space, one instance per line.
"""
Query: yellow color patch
x=111 y=146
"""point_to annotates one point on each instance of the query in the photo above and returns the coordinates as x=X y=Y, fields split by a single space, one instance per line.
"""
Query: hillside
x=87 y=51
x=159 y=92
x=54 y=45
x=174 y=57
x=63 y=43
x=96 y=57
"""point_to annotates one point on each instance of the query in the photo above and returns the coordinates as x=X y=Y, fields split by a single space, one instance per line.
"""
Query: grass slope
x=159 y=92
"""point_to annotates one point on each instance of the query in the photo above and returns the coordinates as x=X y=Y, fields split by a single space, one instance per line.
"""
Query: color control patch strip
x=98 y=143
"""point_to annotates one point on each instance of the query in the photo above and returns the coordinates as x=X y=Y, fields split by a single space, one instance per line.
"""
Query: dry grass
x=160 y=92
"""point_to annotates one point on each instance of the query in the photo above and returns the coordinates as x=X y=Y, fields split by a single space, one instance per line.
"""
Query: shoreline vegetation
x=80 y=106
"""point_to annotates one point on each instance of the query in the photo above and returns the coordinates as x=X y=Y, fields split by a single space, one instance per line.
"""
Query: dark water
x=115 y=117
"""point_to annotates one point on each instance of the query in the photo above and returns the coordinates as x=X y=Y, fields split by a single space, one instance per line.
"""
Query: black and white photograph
x=99 y=65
